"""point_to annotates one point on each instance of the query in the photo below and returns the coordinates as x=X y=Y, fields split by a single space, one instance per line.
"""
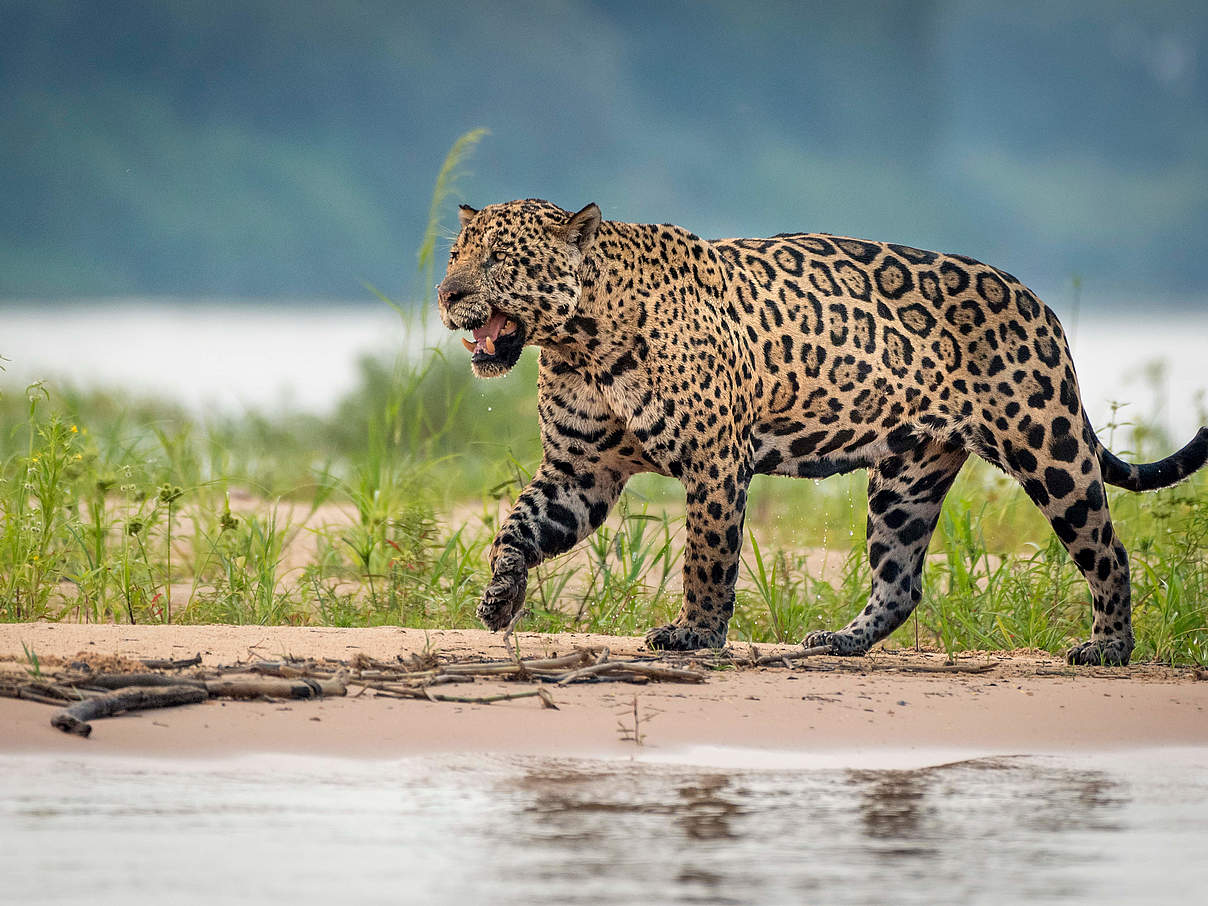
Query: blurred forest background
x=271 y=150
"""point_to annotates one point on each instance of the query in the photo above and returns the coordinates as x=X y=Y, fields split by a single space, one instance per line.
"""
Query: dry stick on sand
x=149 y=690
x=870 y=666
x=422 y=693
x=755 y=659
x=274 y=687
x=74 y=719
x=1082 y=672
x=925 y=668
x=670 y=674
x=547 y=700
x=769 y=660
x=487 y=668
x=43 y=693
x=246 y=686
x=39 y=691
x=125 y=680
x=773 y=660
x=167 y=664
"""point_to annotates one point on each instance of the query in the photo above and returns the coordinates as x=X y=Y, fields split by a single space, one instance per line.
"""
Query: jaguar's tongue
x=491 y=328
x=485 y=336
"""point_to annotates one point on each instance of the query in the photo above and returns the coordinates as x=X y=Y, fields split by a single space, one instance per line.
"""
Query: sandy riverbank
x=1027 y=703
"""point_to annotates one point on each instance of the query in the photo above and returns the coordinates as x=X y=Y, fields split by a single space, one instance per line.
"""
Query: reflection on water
x=894 y=810
x=529 y=830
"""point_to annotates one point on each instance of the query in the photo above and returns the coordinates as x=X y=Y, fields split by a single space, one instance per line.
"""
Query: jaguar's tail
x=1150 y=476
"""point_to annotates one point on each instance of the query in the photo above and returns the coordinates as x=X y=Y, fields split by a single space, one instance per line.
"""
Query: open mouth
x=498 y=342
x=485 y=337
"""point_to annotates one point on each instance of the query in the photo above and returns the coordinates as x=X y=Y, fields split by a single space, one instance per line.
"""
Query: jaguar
x=804 y=354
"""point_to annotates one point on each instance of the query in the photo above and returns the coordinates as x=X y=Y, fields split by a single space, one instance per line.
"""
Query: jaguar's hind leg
x=905 y=493
x=1068 y=488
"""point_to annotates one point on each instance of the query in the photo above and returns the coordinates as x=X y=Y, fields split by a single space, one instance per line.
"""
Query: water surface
x=210 y=354
x=493 y=829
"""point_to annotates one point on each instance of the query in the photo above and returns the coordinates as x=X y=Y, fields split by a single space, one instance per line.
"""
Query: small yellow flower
x=75 y=430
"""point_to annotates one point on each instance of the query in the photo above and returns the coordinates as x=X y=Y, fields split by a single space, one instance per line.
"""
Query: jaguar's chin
x=491 y=367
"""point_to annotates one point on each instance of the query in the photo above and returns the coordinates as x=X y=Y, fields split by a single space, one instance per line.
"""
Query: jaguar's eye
x=498 y=256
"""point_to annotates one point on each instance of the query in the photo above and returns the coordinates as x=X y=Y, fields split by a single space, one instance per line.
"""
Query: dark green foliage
x=268 y=149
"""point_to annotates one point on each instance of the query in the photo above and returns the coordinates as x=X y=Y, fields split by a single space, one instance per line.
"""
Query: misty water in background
x=1092 y=828
x=230 y=357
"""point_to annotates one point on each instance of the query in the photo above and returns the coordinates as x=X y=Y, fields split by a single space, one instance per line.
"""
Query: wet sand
x=1029 y=703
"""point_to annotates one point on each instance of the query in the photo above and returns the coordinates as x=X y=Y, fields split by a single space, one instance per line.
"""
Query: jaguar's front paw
x=839 y=643
x=1113 y=653
x=683 y=638
x=504 y=597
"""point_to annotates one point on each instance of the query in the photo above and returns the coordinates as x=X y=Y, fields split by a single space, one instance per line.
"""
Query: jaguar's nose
x=449 y=291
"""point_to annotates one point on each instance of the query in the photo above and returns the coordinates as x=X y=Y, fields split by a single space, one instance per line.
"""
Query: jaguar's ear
x=581 y=228
x=465 y=214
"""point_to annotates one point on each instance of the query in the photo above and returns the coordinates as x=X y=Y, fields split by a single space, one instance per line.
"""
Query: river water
x=304 y=355
x=1085 y=828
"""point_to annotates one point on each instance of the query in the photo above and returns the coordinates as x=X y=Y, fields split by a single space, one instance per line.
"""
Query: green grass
x=122 y=510
x=383 y=513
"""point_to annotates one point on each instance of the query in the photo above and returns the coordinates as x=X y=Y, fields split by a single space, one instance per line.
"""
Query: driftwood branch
x=1082 y=672
x=124 y=680
x=424 y=693
x=74 y=719
x=534 y=665
x=855 y=665
x=860 y=665
x=41 y=691
x=138 y=691
x=938 y=668
x=547 y=700
x=34 y=696
x=799 y=654
x=286 y=670
x=275 y=687
x=650 y=671
x=168 y=664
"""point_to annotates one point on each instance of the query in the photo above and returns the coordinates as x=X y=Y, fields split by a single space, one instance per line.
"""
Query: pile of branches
x=795 y=659
x=84 y=694
x=416 y=677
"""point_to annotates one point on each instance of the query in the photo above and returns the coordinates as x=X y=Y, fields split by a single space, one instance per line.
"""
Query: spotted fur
x=804 y=355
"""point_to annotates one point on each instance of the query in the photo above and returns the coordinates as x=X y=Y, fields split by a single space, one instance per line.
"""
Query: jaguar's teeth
x=508 y=327
x=490 y=345
x=468 y=344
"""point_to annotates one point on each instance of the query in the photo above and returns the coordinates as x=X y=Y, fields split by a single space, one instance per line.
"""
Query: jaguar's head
x=514 y=278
